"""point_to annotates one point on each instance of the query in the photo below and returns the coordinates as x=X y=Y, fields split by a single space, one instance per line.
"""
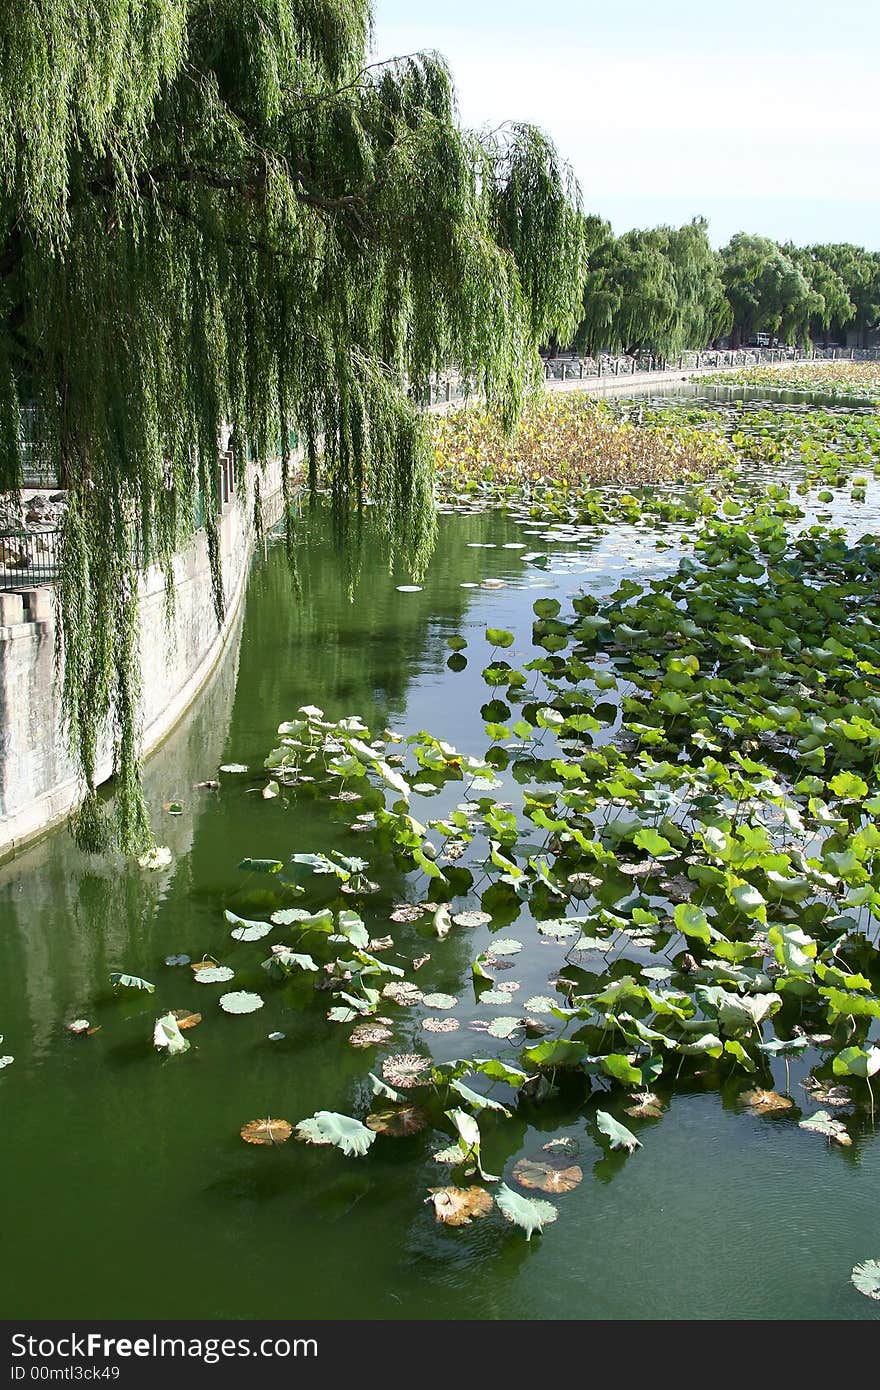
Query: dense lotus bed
x=673 y=810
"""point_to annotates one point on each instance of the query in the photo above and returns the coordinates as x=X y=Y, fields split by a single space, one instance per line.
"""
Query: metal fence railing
x=449 y=387
x=570 y=367
x=29 y=558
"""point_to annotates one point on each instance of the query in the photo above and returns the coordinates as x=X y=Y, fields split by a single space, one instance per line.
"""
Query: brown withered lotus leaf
x=471 y=919
x=547 y=1174
x=646 y=1107
x=186 y=1018
x=402 y=992
x=827 y=1094
x=381 y=943
x=420 y=961
x=266 y=1131
x=765 y=1102
x=405 y=912
x=405 y=1070
x=369 y=1035
x=459 y=1206
x=398 y=1121
x=441 y=1025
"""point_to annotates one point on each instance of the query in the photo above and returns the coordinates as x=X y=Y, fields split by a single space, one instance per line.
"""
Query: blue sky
x=764 y=117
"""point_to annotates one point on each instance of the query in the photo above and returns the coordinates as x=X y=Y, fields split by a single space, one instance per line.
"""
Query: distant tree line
x=665 y=289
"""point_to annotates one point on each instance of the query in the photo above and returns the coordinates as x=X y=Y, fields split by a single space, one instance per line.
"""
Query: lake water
x=127 y=1190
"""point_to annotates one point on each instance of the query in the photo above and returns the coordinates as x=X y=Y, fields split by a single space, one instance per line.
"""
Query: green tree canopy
x=766 y=289
x=859 y=273
x=658 y=290
x=218 y=210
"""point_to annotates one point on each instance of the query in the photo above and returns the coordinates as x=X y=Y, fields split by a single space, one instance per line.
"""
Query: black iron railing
x=29 y=558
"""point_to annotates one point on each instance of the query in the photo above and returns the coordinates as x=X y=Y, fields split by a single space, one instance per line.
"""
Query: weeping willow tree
x=219 y=211
x=657 y=290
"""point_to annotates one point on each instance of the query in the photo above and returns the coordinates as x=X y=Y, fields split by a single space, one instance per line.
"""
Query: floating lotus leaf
x=329 y=1127
x=546 y=1176
x=541 y=1004
x=823 y=1123
x=618 y=1134
x=233 y=767
x=369 y=1035
x=440 y=1025
x=167 y=1035
x=240 y=1001
x=213 y=974
x=440 y=1001
x=452 y=1154
x=504 y=1027
x=471 y=919
x=505 y=946
x=459 y=1206
x=79 y=1025
x=398 y=1121
x=765 y=1102
x=122 y=981
x=866 y=1278
x=178 y=960
x=402 y=992
x=186 y=1019
x=406 y=912
x=647 y=1107
x=529 y=1213
x=406 y=1070
x=266 y=1132
x=495 y=997
x=826 y=1094
x=564 y=1145
x=243 y=930
x=559 y=931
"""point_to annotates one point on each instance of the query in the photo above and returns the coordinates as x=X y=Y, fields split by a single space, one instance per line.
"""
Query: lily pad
x=240 y=1001
x=266 y=1131
x=329 y=1127
x=504 y=1027
x=822 y=1123
x=369 y=1035
x=547 y=1176
x=766 y=1102
x=471 y=919
x=531 y=1214
x=459 y=1206
x=398 y=1121
x=866 y=1278
x=406 y=1070
x=212 y=974
x=618 y=1134
x=440 y=1001
x=168 y=1037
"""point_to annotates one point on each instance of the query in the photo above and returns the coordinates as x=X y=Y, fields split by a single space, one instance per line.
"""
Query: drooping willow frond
x=218 y=211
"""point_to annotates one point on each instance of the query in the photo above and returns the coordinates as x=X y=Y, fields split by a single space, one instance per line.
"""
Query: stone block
x=11 y=610
x=38 y=604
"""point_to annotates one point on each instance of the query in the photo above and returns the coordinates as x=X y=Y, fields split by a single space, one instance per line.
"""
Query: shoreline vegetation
x=843 y=378
x=570 y=441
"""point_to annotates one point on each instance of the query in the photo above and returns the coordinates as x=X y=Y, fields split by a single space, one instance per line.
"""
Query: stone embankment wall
x=38 y=781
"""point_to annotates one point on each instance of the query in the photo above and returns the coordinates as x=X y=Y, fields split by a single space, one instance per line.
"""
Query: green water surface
x=127 y=1191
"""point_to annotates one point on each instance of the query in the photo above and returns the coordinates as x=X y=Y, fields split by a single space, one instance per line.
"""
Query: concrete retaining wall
x=38 y=779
